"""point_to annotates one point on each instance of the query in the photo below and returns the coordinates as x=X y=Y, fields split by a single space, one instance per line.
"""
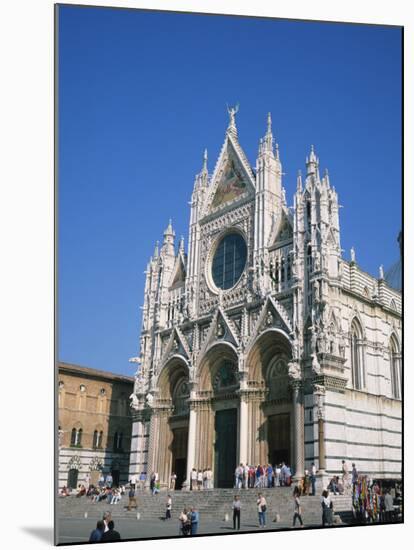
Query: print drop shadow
x=44 y=534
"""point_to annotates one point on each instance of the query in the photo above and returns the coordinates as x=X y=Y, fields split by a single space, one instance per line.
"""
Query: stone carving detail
x=96 y=464
x=220 y=331
x=74 y=463
x=294 y=370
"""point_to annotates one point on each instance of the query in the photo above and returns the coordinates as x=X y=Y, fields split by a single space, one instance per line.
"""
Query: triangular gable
x=272 y=315
x=176 y=345
x=178 y=273
x=283 y=230
x=232 y=179
x=221 y=329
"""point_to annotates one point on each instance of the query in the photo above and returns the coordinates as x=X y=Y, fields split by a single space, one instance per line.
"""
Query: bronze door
x=225 y=447
x=278 y=434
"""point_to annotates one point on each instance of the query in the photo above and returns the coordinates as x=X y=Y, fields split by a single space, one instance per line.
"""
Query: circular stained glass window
x=229 y=261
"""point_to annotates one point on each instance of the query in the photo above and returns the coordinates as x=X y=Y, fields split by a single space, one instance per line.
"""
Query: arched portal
x=218 y=414
x=270 y=434
x=173 y=411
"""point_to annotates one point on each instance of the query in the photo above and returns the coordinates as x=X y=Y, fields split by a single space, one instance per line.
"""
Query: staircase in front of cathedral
x=213 y=504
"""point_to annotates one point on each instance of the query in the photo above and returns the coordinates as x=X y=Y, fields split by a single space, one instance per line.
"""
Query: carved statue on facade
x=294 y=370
x=316 y=368
x=269 y=319
x=232 y=113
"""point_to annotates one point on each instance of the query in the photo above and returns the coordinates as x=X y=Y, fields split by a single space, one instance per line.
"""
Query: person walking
x=298 y=509
x=96 y=535
x=261 y=509
x=133 y=481
x=111 y=534
x=168 y=507
x=152 y=482
x=185 y=523
x=236 y=512
x=132 y=499
x=194 y=521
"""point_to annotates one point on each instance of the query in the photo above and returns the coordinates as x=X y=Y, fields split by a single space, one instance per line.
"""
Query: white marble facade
x=263 y=317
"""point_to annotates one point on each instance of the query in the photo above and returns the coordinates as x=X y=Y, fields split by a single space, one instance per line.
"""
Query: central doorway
x=225 y=447
x=279 y=438
x=179 y=455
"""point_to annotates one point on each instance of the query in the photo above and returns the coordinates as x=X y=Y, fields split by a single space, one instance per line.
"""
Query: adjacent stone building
x=94 y=423
x=261 y=343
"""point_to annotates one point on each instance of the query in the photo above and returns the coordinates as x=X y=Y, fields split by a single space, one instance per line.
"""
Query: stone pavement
x=78 y=530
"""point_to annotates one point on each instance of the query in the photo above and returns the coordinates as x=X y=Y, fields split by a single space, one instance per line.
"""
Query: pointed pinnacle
x=269 y=123
x=205 y=158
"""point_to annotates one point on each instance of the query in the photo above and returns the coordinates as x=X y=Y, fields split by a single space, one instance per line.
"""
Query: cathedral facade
x=261 y=344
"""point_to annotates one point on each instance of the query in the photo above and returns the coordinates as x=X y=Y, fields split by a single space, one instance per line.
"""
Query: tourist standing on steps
x=168 y=507
x=199 y=480
x=313 y=478
x=193 y=479
x=142 y=480
x=354 y=474
x=345 y=475
x=173 y=479
x=194 y=521
x=326 y=509
x=261 y=509
x=236 y=512
x=298 y=509
x=277 y=475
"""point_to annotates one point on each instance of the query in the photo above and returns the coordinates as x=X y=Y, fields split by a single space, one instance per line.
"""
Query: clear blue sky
x=141 y=94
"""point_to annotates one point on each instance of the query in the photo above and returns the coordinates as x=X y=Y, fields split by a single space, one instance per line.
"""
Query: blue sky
x=141 y=94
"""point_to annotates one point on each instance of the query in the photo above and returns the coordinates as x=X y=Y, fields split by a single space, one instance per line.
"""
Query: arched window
x=393 y=305
x=73 y=437
x=357 y=356
x=308 y=213
x=395 y=368
x=79 y=438
x=95 y=439
x=100 y=439
x=118 y=437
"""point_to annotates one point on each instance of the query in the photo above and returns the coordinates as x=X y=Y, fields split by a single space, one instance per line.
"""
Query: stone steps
x=213 y=503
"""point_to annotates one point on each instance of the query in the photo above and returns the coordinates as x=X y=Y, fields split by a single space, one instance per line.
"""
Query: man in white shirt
x=193 y=479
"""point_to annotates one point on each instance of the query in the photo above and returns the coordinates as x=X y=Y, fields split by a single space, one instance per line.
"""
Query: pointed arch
x=174 y=371
x=395 y=366
x=357 y=354
x=218 y=356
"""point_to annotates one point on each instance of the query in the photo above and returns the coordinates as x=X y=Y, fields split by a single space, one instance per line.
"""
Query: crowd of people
x=371 y=502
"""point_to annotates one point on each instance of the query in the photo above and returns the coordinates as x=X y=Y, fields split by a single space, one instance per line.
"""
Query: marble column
x=152 y=445
x=297 y=409
x=191 y=446
x=243 y=429
x=319 y=392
